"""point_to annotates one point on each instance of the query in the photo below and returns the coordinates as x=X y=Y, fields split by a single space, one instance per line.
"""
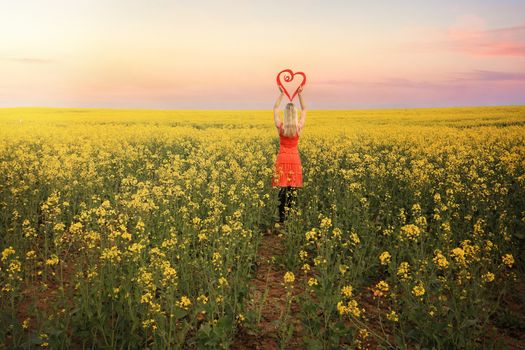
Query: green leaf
x=205 y=329
x=179 y=313
x=312 y=344
x=469 y=323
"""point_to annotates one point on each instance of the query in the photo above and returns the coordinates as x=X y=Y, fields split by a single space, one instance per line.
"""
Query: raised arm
x=276 y=108
x=303 y=109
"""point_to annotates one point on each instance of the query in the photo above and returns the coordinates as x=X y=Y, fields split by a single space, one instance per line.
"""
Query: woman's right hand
x=280 y=90
x=300 y=89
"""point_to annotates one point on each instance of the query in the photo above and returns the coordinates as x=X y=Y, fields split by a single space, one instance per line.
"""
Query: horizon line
x=260 y=110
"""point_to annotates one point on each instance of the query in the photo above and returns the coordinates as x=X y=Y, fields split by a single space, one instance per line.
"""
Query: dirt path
x=269 y=280
x=268 y=294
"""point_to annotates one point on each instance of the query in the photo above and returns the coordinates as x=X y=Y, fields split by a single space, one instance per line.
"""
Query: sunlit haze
x=225 y=54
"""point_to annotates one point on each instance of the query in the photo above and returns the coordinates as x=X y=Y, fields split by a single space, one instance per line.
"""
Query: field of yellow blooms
x=140 y=229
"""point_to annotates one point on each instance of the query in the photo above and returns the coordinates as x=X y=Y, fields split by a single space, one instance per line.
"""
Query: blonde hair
x=290 y=120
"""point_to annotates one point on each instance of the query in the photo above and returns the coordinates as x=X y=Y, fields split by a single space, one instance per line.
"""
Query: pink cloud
x=471 y=36
x=468 y=88
x=386 y=82
x=508 y=41
x=462 y=80
x=486 y=75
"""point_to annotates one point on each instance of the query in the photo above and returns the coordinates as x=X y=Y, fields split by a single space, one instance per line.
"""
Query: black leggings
x=287 y=195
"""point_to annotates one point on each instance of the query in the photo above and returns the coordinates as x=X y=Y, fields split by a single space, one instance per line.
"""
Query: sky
x=203 y=54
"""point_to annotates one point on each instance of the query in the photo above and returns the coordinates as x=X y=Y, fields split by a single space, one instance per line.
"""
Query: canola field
x=141 y=229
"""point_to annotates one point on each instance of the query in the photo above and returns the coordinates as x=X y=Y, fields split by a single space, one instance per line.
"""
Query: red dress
x=288 y=169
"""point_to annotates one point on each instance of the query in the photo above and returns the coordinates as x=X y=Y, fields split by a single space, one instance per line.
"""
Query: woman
x=288 y=170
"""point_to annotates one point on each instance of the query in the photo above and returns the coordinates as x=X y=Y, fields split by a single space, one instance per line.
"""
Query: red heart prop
x=288 y=78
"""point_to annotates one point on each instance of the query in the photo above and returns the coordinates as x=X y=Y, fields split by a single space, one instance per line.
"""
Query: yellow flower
x=25 y=323
x=169 y=273
x=111 y=254
x=44 y=337
x=351 y=308
x=140 y=225
x=459 y=255
x=508 y=259
x=319 y=260
x=354 y=238
x=146 y=298
x=478 y=227
x=392 y=316
x=91 y=274
x=289 y=277
x=306 y=268
x=363 y=333
x=240 y=318
x=418 y=289
x=184 y=302
x=59 y=227
x=488 y=277
x=126 y=235
x=347 y=291
x=14 y=268
x=145 y=278
x=202 y=299
x=387 y=232
x=341 y=307
x=223 y=282
x=226 y=229
x=471 y=251
x=312 y=282
x=303 y=255
x=7 y=288
x=384 y=258
x=217 y=258
x=336 y=232
x=403 y=270
x=52 y=261
x=410 y=232
x=7 y=252
x=432 y=310
x=325 y=223
x=311 y=235
x=381 y=288
x=149 y=323
x=196 y=221
x=136 y=248
x=201 y=236
x=440 y=260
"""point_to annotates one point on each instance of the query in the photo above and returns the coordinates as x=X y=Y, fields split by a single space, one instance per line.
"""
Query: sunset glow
x=225 y=54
